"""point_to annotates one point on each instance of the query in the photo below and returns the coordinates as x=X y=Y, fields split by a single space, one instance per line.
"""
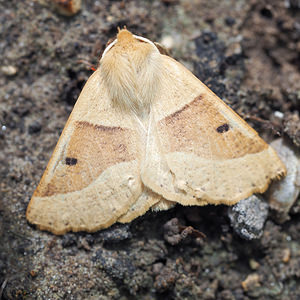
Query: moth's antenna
x=145 y=40
x=135 y=36
x=109 y=47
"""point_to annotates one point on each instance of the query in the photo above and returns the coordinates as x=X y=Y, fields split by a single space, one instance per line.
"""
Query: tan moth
x=146 y=133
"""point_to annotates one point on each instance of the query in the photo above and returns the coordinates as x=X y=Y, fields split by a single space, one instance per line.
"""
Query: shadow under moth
x=146 y=133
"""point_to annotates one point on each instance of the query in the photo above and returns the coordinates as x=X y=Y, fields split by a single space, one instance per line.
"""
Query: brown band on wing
x=94 y=148
x=100 y=127
x=196 y=128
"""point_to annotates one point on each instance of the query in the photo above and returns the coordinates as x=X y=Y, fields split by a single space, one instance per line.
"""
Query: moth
x=146 y=133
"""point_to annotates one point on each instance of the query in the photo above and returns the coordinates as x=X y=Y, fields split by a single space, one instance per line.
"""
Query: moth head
x=130 y=67
x=128 y=42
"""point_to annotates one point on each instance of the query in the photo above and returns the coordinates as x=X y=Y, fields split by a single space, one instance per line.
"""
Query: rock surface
x=248 y=217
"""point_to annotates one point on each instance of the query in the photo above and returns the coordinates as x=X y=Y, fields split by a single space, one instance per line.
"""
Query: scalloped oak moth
x=146 y=133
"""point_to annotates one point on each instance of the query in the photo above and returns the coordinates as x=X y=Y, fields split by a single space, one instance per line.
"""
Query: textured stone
x=248 y=216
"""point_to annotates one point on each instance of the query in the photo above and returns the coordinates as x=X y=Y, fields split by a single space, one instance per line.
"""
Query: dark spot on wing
x=223 y=128
x=71 y=161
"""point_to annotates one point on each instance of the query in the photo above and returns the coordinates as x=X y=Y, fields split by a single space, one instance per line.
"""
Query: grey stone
x=248 y=216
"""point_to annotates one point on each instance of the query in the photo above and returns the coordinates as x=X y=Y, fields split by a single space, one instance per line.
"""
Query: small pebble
x=254 y=265
x=248 y=216
x=251 y=282
x=33 y=273
x=157 y=267
x=34 y=127
x=286 y=255
x=278 y=114
x=9 y=70
x=229 y=21
x=67 y=7
x=167 y=41
x=282 y=194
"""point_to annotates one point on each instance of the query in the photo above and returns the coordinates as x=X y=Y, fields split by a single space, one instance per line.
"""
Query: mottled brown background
x=247 y=51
